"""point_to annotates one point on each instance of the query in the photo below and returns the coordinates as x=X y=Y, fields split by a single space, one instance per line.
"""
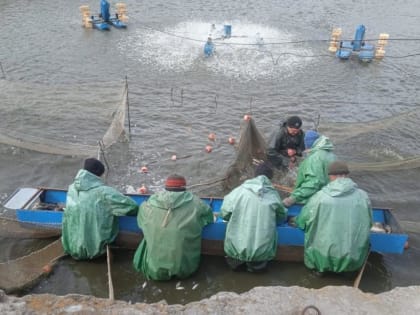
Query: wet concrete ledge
x=260 y=300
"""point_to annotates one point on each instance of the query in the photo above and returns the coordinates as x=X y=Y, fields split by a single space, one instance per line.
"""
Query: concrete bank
x=261 y=300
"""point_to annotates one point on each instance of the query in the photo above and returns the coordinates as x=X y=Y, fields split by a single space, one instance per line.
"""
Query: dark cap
x=338 y=168
x=264 y=169
x=175 y=183
x=94 y=166
x=294 y=122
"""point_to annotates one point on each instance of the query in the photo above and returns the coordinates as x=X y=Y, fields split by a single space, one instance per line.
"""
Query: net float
x=209 y=148
x=173 y=157
x=231 y=140
x=47 y=269
x=144 y=169
x=212 y=137
x=142 y=189
x=247 y=117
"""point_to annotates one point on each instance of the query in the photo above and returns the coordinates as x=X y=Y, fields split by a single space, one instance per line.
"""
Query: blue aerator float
x=366 y=52
x=104 y=20
x=209 y=47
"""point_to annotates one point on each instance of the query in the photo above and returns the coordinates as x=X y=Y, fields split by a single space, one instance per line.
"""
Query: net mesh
x=17 y=274
x=39 y=143
x=251 y=147
x=252 y=150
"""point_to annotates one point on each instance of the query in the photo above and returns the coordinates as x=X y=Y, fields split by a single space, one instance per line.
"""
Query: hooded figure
x=252 y=210
x=89 y=219
x=172 y=223
x=313 y=170
x=336 y=221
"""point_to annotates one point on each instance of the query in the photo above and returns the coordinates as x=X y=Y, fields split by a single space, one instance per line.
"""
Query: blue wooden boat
x=43 y=207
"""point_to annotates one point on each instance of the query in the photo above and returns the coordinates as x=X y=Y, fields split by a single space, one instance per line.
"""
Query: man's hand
x=291 y=152
x=289 y=201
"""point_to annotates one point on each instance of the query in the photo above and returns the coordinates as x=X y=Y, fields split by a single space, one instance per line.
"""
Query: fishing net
x=251 y=151
x=20 y=273
x=251 y=148
x=373 y=135
x=37 y=137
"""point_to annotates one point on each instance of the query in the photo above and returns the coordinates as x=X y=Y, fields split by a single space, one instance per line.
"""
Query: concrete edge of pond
x=259 y=300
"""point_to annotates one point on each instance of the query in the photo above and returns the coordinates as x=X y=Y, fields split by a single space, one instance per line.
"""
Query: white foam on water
x=248 y=54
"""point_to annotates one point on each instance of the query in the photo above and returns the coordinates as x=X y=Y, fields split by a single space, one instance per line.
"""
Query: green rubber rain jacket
x=172 y=224
x=253 y=211
x=337 y=222
x=313 y=171
x=89 y=220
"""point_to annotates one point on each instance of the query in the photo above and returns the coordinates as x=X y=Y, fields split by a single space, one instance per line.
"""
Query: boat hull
x=290 y=239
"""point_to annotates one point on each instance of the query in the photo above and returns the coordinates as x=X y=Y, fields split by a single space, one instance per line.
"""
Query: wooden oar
x=110 y=285
x=283 y=188
x=360 y=274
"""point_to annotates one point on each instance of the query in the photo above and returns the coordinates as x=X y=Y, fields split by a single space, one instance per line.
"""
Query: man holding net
x=287 y=143
x=90 y=217
x=252 y=211
x=313 y=170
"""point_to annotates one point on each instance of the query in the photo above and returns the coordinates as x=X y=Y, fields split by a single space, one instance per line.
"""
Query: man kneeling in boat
x=252 y=211
x=90 y=217
x=172 y=223
x=336 y=221
x=313 y=170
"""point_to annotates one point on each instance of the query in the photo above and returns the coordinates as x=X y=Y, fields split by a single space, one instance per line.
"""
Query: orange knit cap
x=175 y=183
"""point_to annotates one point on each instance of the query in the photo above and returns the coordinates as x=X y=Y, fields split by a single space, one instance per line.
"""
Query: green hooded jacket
x=336 y=222
x=89 y=220
x=313 y=171
x=253 y=211
x=172 y=224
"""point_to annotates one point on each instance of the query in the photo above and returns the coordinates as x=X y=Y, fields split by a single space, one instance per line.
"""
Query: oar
x=360 y=274
x=110 y=285
x=283 y=188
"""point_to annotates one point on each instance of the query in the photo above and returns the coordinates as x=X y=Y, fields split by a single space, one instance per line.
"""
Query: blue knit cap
x=310 y=138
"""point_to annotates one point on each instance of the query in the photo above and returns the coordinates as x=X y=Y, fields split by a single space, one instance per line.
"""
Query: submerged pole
x=128 y=109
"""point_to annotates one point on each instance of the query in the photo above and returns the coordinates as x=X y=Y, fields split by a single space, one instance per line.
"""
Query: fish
x=378 y=227
x=178 y=286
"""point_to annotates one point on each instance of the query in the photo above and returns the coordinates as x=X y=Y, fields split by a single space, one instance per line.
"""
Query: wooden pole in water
x=128 y=109
x=360 y=274
x=110 y=285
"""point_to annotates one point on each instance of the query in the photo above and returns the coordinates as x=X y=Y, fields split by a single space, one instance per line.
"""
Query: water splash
x=252 y=52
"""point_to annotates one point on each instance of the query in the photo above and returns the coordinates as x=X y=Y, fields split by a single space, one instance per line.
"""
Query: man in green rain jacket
x=89 y=220
x=336 y=222
x=313 y=170
x=252 y=209
x=172 y=223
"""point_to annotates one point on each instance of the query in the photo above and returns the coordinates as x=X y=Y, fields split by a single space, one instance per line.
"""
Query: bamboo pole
x=110 y=285
x=360 y=274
